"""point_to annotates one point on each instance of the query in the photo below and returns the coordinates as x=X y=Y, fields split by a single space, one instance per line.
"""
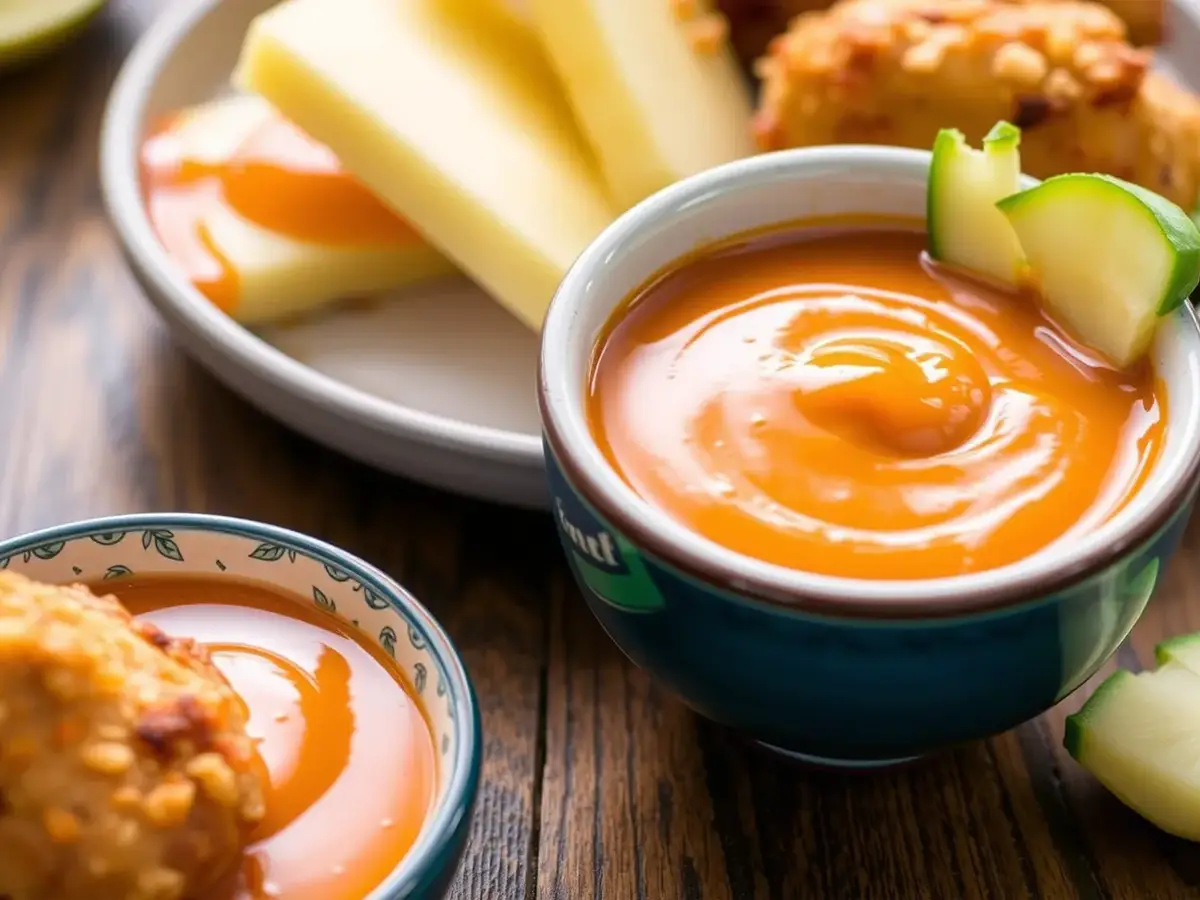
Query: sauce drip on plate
x=350 y=757
x=276 y=177
x=834 y=403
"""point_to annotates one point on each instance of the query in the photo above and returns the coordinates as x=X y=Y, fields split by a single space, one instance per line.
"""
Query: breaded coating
x=896 y=71
x=125 y=768
x=754 y=23
x=1143 y=19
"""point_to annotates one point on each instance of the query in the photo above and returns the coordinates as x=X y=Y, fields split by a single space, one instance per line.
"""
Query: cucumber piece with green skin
x=965 y=228
x=1140 y=736
x=1183 y=650
x=1109 y=257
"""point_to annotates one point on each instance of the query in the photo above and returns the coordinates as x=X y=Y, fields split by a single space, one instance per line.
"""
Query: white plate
x=436 y=384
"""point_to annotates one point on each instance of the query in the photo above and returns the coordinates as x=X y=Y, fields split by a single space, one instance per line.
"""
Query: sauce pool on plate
x=274 y=176
x=349 y=756
x=824 y=398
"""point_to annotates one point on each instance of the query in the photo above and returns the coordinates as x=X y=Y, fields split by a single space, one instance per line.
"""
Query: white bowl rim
x=177 y=298
x=423 y=860
x=570 y=438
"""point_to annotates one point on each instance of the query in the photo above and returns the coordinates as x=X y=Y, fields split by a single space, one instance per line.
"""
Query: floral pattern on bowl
x=358 y=594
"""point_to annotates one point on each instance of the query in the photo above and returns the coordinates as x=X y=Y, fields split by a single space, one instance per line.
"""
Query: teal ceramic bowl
x=835 y=671
x=312 y=572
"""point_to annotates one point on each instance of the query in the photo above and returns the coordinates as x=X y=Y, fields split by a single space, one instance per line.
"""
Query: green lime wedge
x=31 y=28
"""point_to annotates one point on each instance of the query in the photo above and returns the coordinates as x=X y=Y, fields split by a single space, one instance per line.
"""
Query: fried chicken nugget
x=125 y=768
x=896 y=71
x=753 y=23
x=1143 y=18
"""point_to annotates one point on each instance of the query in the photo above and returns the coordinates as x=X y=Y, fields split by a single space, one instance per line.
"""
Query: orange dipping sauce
x=350 y=756
x=828 y=400
x=277 y=178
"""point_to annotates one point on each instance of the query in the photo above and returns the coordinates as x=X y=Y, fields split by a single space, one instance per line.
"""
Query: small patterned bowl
x=359 y=594
x=837 y=671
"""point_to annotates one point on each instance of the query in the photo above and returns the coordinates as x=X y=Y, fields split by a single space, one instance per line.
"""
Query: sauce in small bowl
x=335 y=725
x=825 y=398
x=840 y=500
x=361 y=711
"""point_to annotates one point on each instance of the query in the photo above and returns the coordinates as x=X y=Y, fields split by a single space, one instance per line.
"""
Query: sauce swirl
x=349 y=756
x=834 y=403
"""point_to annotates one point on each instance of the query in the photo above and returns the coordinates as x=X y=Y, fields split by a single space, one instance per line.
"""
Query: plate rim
x=184 y=307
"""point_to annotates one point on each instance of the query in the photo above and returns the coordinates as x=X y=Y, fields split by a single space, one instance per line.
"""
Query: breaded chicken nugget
x=754 y=23
x=125 y=768
x=1143 y=18
x=896 y=71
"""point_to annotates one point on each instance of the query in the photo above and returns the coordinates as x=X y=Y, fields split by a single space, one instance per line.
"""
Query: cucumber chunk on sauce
x=1140 y=736
x=1108 y=257
x=965 y=227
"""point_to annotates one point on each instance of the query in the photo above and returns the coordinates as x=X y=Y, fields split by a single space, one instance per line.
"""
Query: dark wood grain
x=596 y=783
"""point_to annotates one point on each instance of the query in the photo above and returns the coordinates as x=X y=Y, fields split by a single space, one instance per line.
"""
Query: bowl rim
x=570 y=441
x=178 y=301
x=424 y=862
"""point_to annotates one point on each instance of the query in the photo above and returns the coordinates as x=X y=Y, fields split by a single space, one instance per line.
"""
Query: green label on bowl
x=603 y=561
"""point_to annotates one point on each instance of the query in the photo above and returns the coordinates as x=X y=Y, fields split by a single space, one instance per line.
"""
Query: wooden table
x=596 y=784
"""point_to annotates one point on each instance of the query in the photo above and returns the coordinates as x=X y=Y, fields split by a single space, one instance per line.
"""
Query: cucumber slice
x=1109 y=257
x=1183 y=650
x=1140 y=736
x=965 y=228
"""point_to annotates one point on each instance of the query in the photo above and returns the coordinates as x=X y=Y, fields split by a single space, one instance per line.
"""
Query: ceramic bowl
x=837 y=671
x=310 y=571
